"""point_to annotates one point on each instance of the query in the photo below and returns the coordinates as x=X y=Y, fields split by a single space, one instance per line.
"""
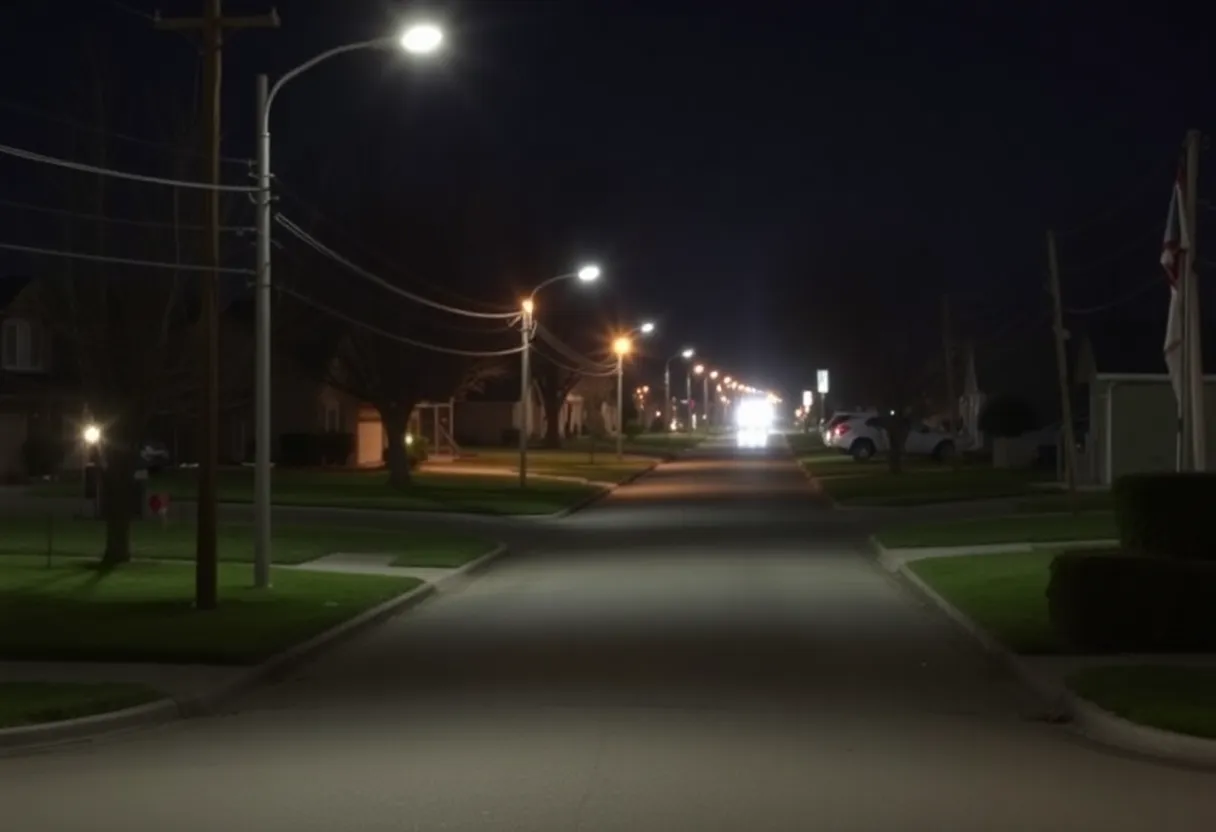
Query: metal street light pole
x=586 y=274
x=419 y=40
x=620 y=405
x=668 y=410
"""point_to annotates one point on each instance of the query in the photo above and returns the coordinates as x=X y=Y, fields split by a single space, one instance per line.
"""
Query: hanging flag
x=1173 y=251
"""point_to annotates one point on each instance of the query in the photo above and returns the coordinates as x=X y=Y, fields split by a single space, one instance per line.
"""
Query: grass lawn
x=30 y=703
x=1013 y=528
x=654 y=444
x=803 y=444
x=1005 y=594
x=143 y=612
x=1181 y=699
x=292 y=544
x=1056 y=501
x=922 y=481
x=602 y=467
x=351 y=488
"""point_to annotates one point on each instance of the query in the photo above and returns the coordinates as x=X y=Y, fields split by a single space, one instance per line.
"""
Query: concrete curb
x=1085 y=718
x=592 y=499
x=810 y=478
x=33 y=737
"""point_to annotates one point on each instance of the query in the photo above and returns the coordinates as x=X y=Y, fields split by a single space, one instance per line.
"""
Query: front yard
x=1013 y=528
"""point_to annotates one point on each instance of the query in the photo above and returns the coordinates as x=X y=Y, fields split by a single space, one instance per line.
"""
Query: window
x=21 y=347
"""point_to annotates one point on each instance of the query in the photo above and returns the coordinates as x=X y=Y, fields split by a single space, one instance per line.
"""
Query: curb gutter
x=1086 y=718
x=31 y=737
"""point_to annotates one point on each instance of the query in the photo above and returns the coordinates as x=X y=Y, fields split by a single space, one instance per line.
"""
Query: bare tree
x=365 y=339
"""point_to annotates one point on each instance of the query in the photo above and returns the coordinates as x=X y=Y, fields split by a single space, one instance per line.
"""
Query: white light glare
x=588 y=273
x=422 y=39
x=754 y=414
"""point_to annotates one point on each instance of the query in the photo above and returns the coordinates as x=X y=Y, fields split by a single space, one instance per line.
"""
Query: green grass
x=922 y=481
x=31 y=703
x=1055 y=501
x=1014 y=528
x=1180 y=699
x=805 y=444
x=1005 y=594
x=654 y=444
x=70 y=538
x=602 y=467
x=143 y=612
x=353 y=488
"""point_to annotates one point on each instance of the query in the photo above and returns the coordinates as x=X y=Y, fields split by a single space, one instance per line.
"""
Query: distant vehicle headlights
x=754 y=414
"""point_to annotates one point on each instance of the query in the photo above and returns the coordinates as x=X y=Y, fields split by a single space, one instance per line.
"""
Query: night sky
x=731 y=165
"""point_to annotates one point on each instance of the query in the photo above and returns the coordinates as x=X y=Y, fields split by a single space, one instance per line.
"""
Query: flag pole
x=1193 y=327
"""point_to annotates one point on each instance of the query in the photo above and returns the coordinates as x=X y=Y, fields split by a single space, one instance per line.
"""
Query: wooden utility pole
x=1057 y=310
x=211 y=25
x=948 y=350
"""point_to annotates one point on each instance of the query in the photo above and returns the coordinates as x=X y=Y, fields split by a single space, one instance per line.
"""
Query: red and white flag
x=1173 y=259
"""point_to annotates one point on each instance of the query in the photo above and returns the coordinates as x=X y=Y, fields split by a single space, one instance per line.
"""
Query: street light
x=585 y=274
x=686 y=353
x=418 y=39
x=622 y=347
x=646 y=328
x=91 y=435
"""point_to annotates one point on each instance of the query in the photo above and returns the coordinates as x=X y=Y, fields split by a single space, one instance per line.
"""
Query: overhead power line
x=321 y=248
x=40 y=158
x=126 y=261
x=329 y=310
x=567 y=367
x=62 y=212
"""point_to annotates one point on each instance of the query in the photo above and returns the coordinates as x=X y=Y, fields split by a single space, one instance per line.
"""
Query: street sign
x=822 y=379
x=808 y=398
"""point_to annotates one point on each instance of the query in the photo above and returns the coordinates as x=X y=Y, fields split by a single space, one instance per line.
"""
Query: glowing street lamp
x=421 y=39
x=91 y=435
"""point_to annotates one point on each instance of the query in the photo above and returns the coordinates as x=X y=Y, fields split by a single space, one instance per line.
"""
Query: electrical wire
x=40 y=158
x=101 y=258
x=63 y=212
x=306 y=238
x=399 y=338
x=367 y=250
x=1155 y=283
x=582 y=371
x=568 y=352
x=165 y=147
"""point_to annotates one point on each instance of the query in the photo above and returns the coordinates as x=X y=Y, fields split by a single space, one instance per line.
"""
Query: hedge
x=1168 y=515
x=1101 y=603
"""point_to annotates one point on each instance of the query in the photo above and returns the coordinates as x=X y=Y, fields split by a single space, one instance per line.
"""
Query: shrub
x=1008 y=417
x=418 y=451
x=634 y=428
x=1102 y=603
x=311 y=449
x=1166 y=514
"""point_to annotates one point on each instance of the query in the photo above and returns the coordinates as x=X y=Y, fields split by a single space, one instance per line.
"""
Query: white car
x=829 y=432
x=861 y=437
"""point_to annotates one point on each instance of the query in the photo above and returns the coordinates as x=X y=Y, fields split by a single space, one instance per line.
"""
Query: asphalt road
x=708 y=649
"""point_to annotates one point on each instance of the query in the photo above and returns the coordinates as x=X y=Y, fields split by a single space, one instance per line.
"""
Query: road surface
x=709 y=649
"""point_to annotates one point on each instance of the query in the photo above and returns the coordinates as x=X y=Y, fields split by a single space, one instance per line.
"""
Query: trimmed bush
x=1167 y=515
x=1106 y=603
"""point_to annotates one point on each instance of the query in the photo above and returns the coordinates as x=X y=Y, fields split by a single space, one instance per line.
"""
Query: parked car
x=828 y=431
x=154 y=454
x=861 y=437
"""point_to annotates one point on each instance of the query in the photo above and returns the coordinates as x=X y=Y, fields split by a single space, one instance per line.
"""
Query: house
x=1128 y=405
x=38 y=396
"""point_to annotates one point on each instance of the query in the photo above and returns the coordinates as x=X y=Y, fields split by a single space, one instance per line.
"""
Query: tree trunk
x=552 y=404
x=117 y=493
x=395 y=420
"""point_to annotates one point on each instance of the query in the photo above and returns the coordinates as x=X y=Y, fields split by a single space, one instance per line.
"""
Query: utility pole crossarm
x=180 y=24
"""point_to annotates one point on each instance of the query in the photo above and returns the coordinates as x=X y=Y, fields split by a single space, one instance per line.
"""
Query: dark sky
x=719 y=158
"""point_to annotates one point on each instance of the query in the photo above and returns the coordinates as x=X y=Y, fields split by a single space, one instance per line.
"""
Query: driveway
x=707 y=649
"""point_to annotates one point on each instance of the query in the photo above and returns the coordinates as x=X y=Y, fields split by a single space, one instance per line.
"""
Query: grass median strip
x=31 y=703
x=292 y=544
x=1005 y=594
x=922 y=482
x=143 y=612
x=1013 y=528
x=1169 y=697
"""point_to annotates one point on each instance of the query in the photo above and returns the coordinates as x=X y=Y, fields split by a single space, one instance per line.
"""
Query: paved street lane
x=708 y=649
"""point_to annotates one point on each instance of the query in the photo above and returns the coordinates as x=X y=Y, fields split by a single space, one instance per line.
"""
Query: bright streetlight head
x=727 y=380
x=700 y=368
x=91 y=434
x=647 y=327
x=422 y=39
x=622 y=346
x=713 y=373
x=528 y=306
x=589 y=273
x=689 y=353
